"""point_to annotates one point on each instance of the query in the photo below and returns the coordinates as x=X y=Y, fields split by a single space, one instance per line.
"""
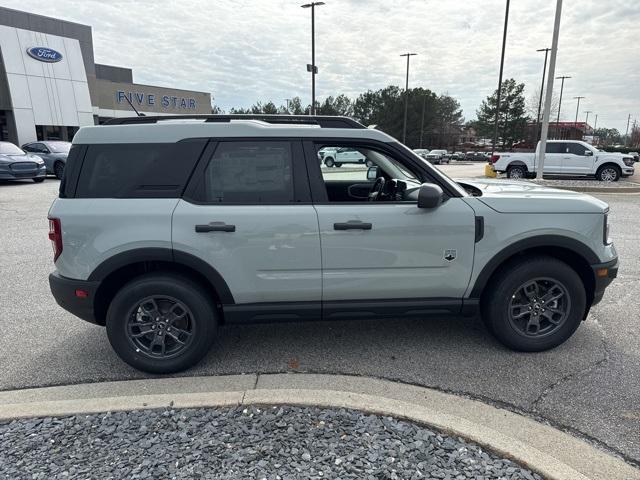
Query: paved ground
x=590 y=385
x=252 y=442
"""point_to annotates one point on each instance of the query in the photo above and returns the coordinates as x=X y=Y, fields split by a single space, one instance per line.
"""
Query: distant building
x=557 y=131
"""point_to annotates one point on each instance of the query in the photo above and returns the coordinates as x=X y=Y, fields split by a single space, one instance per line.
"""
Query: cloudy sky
x=247 y=50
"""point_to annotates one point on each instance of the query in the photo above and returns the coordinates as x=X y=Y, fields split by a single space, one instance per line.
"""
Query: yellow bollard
x=489 y=171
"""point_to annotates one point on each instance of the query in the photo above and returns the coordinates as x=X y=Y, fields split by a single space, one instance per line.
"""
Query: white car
x=566 y=157
x=335 y=157
x=437 y=156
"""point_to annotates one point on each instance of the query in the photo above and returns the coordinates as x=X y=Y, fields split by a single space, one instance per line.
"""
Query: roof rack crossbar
x=324 y=121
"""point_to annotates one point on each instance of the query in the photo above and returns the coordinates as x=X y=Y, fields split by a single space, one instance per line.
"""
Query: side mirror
x=588 y=153
x=430 y=196
x=372 y=173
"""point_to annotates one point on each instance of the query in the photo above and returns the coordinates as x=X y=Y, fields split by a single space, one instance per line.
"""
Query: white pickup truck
x=566 y=157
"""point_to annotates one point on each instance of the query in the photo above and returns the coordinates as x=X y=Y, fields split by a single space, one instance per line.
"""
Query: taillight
x=55 y=235
x=494 y=158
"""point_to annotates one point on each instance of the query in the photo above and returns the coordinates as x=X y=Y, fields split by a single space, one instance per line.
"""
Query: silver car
x=53 y=152
x=15 y=164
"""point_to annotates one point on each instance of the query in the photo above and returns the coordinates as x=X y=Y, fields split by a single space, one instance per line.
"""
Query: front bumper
x=65 y=291
x=604 y=273
x=627 y=172
x=8 y=174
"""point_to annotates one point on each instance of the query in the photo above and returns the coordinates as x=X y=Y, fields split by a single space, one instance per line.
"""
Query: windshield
x=7 y=148
x=59 y=147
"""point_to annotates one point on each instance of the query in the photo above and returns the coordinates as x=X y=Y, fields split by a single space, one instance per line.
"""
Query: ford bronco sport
x=166 y=228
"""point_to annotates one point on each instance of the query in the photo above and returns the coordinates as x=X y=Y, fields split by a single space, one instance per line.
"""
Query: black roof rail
x=324 y=121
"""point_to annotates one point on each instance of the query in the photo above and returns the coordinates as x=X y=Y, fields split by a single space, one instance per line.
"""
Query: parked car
x=53 y=152
x=16 y=164
x=476 y=156
x=437 y=157
x=233 y=221
x=457 y=156
x=423 y=152
x=336 y=157
x=566 y=157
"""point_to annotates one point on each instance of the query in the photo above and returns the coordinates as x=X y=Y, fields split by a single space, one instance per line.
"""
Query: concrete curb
x=598 y=189
x=552 y=453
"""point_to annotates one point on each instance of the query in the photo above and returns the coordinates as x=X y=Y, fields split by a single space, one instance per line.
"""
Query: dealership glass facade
x=50 y=85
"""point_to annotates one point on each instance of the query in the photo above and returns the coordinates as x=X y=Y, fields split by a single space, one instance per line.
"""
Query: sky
x=243 y=51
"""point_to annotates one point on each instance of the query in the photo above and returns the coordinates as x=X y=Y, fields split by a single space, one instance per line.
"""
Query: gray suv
x=166 y=228
x=53 y=152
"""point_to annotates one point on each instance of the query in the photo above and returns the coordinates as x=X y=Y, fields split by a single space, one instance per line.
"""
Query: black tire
x=38 y=180
x=517 y=172
x=126 y=309
x=608 y=173
x=329 y=162
x=505 y=289
x=369 y=163
x=58 y=170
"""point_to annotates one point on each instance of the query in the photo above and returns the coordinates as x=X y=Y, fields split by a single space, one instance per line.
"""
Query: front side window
x=250 y=172
x=577 y=149
x=365 y=175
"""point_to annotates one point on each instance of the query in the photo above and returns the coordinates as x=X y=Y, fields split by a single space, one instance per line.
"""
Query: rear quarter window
x=141 y=170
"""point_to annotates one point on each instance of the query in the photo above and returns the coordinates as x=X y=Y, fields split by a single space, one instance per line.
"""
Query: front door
x=575 y=161
x=390 y=249
x=248 y=216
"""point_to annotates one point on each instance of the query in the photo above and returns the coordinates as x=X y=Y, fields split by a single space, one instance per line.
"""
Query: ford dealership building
x=50 y=85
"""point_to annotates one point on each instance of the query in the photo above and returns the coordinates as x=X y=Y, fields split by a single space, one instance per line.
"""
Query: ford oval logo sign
x=44 y=54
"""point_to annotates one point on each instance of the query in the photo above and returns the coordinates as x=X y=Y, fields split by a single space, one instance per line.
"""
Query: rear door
x=555 y=153
x=247 y=213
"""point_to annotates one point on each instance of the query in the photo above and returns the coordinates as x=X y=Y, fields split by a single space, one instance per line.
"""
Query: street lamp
x=544 y=71
x=406 y=98
x=312 y=67
x=560 y=104
x=504 y=43
x=575 y=123
x=586 y=121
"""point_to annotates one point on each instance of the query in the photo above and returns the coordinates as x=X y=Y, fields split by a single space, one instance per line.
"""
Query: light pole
x=595 y=123
x=544 y=71
x=312 y=68
x=626 y=134
x=575 y=123
x=560 y=103
x=547 y=99
x=424 y=102
x=586 y=121
x=406 y=98
x=504 y=43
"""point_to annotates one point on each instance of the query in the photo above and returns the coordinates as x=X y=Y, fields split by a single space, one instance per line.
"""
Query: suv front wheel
x=161 y=323
x=535 y=304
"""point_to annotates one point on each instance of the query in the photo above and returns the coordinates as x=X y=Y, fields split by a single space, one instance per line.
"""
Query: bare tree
x=532 y=106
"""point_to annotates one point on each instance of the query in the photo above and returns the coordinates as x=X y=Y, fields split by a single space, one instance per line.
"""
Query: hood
x=19 y=158
x=527 y=197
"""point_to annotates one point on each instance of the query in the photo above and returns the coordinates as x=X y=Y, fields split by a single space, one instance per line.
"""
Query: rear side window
x=249 y=172
x=141 y=170
x=556 y=148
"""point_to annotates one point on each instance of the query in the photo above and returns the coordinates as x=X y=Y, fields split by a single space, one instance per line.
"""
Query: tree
x=512 y=120
x=340 y=105
x=532 y=106
x=607 y=136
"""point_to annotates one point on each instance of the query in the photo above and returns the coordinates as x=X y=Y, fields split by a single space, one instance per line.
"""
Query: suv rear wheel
x=329 y=162
x=517 y=172
x=58 y=170
x=535 y=304
x=161 y=323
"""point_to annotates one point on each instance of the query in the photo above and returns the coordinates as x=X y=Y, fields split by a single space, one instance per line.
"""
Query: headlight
x=628 y=161
x=605 y=231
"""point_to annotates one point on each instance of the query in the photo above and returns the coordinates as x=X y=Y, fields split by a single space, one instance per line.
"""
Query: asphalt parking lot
x=590 y=385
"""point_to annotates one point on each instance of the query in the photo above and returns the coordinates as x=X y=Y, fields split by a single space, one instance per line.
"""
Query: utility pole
x=312 y=67
x=560 y=104
x=547 y=100
x=406 y=98
x=544 y=71
x=626 y=134
x=424 y=102
x=586 y=122
x=504 y=43
x=575 y=123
